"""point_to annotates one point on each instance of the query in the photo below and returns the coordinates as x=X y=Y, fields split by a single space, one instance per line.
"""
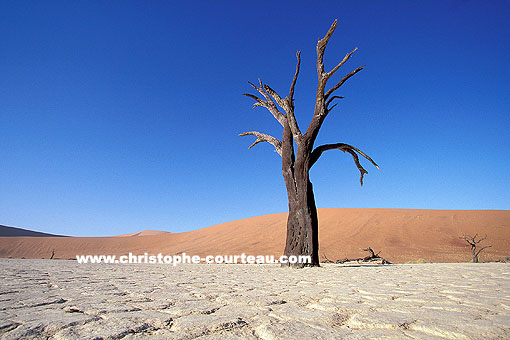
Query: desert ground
x=400 y=234
x=61 y=299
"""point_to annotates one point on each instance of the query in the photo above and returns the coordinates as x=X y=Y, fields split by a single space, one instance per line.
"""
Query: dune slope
x=6 y=231
x=401 y=234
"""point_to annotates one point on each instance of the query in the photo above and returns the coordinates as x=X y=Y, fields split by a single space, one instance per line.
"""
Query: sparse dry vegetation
x=418 y=261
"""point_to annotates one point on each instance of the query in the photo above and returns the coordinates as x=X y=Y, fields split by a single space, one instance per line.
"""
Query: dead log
x=372 y=257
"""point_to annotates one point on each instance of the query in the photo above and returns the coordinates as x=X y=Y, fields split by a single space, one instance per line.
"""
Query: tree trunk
x=302 y=222
x=303 y=228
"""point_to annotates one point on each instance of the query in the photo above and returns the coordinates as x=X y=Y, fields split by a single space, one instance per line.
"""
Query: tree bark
x=303 y=230
x=302 y=222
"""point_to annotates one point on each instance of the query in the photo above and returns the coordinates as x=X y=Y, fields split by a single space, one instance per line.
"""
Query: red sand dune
x=401 y=234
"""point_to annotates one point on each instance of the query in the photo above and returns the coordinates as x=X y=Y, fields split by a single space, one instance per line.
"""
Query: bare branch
x=320 y=149
x=321 y=47
x=358 y=164
x=321 y=99
x=290 y=99
x=262 y=137
x=483 y=238
x=331 y=108
x=283 y=104
x=317 y=152
x=479 y=251
x=344 y=60
x=472 y=240
x=268 y=103
x=287 y=104
x=370 y=251
x=342 y=81
x=321 y=84
x=327 y=108
x=469 y=240
x=259 y=102
x=331 y=99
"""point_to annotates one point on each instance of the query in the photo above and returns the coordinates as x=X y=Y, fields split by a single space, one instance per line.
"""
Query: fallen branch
x=372 y=257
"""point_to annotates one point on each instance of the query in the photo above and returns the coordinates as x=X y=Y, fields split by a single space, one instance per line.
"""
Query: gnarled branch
x=282 y=103
x=286 y=104
x=289 y=109
x=262 y=137
x=268 y=103
x=317 y=152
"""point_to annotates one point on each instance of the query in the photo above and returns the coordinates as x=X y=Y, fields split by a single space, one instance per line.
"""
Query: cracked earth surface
x=58 y=299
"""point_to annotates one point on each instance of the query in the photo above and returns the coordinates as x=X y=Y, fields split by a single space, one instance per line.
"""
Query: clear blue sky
x=118 y=116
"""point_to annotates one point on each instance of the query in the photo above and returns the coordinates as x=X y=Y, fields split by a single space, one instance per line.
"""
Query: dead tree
x=302 y=223
x=52 y=254
x=473 y=243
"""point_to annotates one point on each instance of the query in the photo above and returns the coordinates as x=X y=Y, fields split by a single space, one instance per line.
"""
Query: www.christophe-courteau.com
x=184 y=258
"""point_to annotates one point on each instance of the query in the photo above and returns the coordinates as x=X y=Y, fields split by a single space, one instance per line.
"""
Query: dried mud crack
x=42 y=299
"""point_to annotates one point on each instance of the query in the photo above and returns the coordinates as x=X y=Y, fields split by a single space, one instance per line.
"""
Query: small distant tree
x=473 y=243
x=302 y=223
